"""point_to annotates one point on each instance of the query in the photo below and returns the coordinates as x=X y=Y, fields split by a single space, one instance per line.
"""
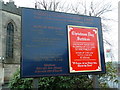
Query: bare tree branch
x=106 y=42
x=98 y=9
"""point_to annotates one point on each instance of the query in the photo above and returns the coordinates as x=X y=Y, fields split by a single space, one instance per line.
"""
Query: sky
x=113 y=34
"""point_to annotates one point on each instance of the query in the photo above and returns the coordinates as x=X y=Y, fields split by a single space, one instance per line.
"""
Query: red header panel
x=84 y=54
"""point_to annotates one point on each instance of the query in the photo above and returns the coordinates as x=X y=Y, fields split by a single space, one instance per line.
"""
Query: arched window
x=9 y=40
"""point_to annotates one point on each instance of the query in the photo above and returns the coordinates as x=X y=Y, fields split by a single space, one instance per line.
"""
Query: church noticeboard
x=84 y=53
x=45 y=50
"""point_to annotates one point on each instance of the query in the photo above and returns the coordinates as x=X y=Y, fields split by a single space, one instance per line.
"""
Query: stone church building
x=10 y=34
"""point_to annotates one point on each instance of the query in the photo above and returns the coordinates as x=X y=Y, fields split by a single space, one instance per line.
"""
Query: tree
x=53 y=5
x=97 y=9
x=81 y=7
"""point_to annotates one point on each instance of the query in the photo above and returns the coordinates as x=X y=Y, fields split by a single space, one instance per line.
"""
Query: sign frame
x=47 y=20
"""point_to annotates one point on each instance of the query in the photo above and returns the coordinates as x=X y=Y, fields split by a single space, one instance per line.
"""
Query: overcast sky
x=113 y=15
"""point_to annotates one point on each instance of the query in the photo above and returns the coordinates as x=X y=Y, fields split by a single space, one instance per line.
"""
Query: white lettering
x=90 y=34
x=83 y=39
x=80 y=34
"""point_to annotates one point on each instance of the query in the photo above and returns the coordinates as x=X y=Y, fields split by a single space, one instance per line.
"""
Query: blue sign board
x=45 y=42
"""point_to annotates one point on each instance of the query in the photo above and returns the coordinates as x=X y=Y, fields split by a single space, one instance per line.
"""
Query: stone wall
x=11 y=65
x=0 y=31
x=9 y=13
x=16 y=21
x=1 y=65
x=9 y=69
x=1 y=74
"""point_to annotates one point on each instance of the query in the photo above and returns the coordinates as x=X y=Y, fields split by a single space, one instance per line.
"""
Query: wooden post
x=35 y=83
x=95 y=82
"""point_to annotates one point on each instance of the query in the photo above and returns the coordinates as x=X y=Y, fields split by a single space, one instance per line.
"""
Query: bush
x=65 y=82
x=110 y=75
x=50 y=83
x=17 y=82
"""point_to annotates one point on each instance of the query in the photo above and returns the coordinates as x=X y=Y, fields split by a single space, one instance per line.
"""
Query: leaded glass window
x=9 y=40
